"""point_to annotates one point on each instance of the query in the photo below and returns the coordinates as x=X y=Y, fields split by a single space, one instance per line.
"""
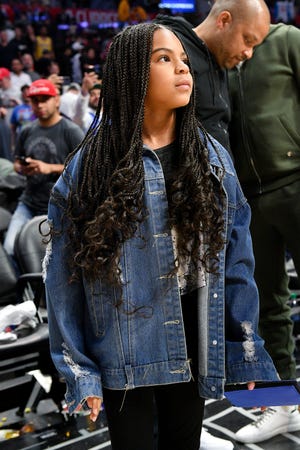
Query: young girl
x=151 y=299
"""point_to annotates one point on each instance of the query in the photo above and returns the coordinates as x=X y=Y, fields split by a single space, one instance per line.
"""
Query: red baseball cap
x=42 y=87
x=4 y=72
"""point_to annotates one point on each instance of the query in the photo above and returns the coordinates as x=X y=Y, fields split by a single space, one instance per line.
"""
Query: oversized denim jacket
x=96 y=344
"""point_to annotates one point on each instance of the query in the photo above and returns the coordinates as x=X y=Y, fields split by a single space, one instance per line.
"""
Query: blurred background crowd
x=67 y=42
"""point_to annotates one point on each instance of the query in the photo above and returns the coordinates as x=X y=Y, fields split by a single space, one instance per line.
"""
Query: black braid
x=107 y=207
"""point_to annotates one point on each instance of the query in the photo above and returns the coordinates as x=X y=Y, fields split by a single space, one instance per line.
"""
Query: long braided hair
x=107 y=207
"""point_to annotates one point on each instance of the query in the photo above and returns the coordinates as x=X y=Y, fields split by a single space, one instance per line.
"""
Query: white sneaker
x=210 y=442
x=273 y=421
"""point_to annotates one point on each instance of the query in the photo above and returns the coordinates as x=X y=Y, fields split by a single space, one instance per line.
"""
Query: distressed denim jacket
x=96 y=344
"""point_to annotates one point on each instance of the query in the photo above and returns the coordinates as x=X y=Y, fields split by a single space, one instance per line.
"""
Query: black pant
x=177 y=408
x=174 y=410
x=275 y=227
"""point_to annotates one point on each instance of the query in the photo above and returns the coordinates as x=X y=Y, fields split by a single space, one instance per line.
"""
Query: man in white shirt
x=68 y=100
x=10 y=95
x=87 y=101
x=18 y=77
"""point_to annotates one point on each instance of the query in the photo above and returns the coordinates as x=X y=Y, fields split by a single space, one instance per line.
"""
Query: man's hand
x=88 y=81
x=36 y=167
x=3 y=112
x=57 y=80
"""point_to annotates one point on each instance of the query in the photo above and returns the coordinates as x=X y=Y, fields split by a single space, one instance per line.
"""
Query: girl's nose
x=182 y=67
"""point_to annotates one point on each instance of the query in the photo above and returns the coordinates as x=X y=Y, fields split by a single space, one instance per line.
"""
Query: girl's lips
x=184 y=83
x=184 y=86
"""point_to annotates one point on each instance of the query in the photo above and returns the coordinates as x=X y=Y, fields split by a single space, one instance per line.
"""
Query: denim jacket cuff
x=84 y=387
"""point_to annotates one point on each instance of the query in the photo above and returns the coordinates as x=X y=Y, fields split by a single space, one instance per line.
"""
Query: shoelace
x=264 y=417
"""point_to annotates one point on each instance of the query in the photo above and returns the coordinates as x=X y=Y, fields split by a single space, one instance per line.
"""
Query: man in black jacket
x=227 y=36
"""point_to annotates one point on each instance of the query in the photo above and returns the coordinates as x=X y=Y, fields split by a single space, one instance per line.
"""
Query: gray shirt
x=51 y=145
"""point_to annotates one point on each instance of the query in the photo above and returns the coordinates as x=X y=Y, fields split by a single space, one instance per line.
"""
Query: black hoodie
x=212 y=98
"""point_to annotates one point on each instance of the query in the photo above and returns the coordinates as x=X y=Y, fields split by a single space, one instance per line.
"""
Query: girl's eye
x=164 y=58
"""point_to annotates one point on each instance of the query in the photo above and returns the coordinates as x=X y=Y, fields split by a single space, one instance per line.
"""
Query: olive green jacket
x=265 y=100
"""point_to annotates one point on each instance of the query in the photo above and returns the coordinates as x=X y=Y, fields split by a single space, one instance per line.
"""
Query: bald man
x=227 y=36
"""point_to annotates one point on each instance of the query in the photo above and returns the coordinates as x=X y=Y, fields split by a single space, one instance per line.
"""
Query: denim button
x=215 y=295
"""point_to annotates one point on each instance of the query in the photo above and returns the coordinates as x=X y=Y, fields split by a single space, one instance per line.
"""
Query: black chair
x=30 y=245
x=31 y=349
x=5 y=217
x=8 y=279
x=29 y=250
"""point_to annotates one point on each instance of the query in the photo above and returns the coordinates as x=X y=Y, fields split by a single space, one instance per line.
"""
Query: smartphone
x=89 y=69
x=66 y=81
x=22 y=160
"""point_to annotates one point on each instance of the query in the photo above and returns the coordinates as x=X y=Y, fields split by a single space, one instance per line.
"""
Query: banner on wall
x=79 y=15
x=284 y=11
x=91 y=16
x=178 y=6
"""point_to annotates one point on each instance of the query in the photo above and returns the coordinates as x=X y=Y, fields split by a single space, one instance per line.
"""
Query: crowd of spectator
x=53 y=50
x=43 y=42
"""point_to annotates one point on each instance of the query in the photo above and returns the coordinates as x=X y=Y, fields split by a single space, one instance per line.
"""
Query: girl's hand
x=251 y=386
x=94 y=403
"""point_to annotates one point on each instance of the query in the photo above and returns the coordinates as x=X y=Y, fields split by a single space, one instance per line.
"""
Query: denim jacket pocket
x=95 y=295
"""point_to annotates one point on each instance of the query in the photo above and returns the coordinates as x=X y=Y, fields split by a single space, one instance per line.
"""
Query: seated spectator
x=40 y=153
x=11 y=185
x=21 y=114
x=87 y=101
x=18 y=77
x=138 y=14
x=90 y=62
x=123 y=12
x=76 y=70
x=8 y=50
x=30 y=37
x=64 y=60
x=10 y=96
x=43 y=63
x=43 y=42
x=6 y=167
x=20 y=40
x=5 y=137
x=28 y=65
x=68 y=100
x=53 y=68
